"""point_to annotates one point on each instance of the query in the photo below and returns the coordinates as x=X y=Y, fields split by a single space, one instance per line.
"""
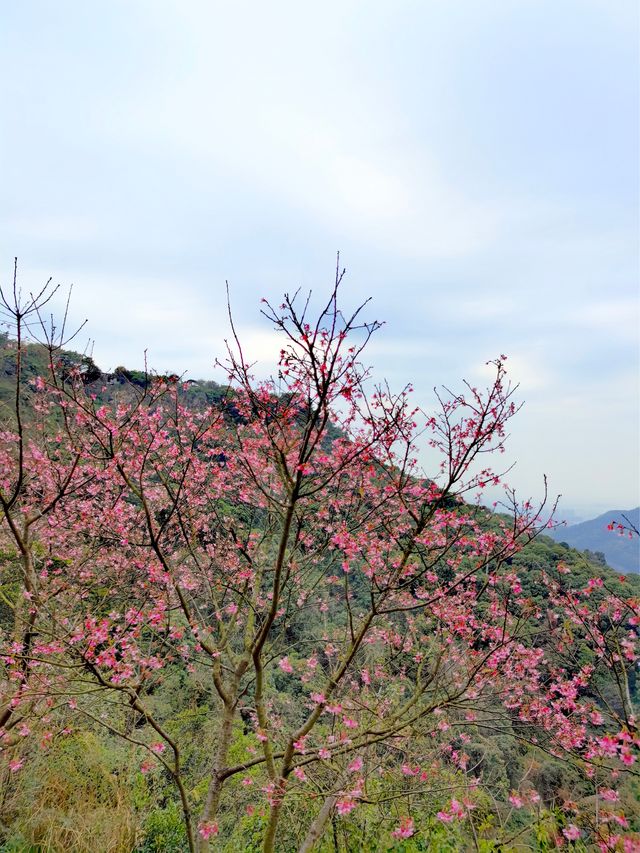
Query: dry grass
x=71 y=801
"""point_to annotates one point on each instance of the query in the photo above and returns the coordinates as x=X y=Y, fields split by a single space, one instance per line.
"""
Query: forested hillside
x=240 y=618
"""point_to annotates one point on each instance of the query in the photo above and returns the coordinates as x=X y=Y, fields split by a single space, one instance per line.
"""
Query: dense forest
x=238 y=617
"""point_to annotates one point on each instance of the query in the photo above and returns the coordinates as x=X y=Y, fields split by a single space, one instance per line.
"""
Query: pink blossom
x=345 y=805
x=16 y=764
x=572 y=833
x=608 y=745
x=405 y=830
x=158 y=748
x=609 y=794
x=626 y=757
x=456 y=808
x=208 y=828
x=621 y=820
x=445 y=817
x=356 y=765
x=285 y=666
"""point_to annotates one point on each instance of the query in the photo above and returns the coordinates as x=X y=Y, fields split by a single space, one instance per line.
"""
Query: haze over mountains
x=622 y=551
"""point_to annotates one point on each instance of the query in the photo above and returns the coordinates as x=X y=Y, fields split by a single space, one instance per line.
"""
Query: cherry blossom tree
x=348 y=619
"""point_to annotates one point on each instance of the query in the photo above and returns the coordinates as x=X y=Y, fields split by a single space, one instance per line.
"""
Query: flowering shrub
x=352 y=624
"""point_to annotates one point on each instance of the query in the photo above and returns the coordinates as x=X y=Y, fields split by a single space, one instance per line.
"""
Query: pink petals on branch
x=405 y=829
x=208 y=829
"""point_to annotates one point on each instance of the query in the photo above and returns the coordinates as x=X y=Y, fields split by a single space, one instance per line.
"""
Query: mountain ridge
x=621 y=548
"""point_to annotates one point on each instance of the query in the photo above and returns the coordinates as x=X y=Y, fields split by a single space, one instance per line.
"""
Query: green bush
x=164 y=831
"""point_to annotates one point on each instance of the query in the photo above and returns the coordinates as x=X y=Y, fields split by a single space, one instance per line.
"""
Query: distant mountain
x=621 y=551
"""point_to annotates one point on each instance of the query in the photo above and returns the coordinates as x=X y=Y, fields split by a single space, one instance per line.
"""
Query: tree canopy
x=260 y=606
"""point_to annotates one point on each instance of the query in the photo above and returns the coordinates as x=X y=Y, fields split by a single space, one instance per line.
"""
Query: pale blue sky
x=476 y=163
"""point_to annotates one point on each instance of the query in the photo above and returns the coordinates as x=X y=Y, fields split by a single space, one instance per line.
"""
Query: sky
x=476 y=165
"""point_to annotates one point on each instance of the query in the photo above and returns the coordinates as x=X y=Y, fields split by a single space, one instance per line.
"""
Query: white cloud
x=617 y=317
x=529 y=371
x=60 y=228
x=248 y=139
